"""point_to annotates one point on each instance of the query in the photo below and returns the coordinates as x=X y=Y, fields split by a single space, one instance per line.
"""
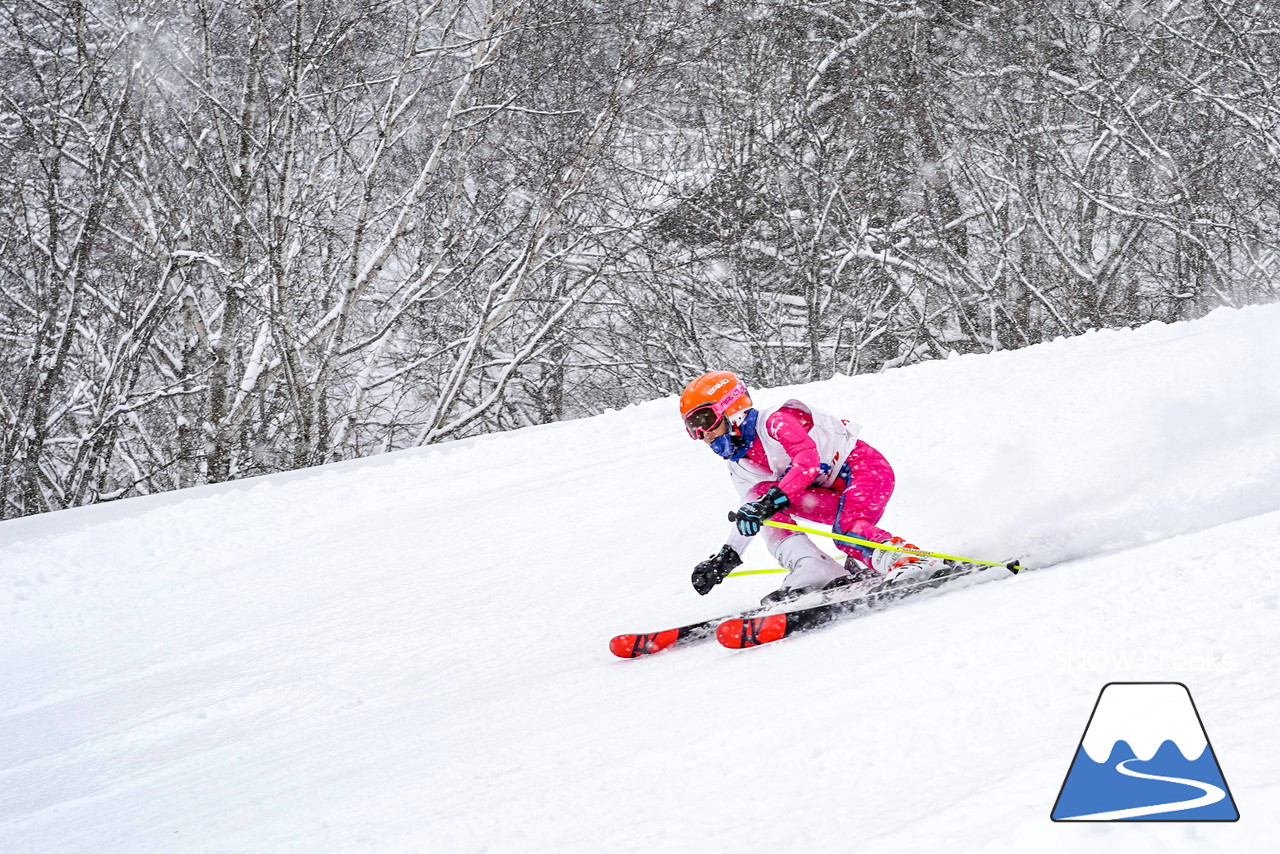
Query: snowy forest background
x=241 y=237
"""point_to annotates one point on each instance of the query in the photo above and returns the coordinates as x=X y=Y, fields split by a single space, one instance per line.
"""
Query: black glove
x=750 y=515
x=713 y=570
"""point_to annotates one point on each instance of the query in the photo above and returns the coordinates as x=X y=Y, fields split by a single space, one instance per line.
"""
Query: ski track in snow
x=409 y=653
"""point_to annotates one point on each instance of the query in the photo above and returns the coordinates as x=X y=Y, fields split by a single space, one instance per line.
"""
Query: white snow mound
x=410 y=653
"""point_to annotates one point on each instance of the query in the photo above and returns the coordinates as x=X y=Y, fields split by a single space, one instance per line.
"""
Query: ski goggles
x=702 y=421
x=707 y=417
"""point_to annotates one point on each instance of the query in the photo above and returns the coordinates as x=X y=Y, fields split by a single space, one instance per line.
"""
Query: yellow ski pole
x=1013 y=566
x=739 y=572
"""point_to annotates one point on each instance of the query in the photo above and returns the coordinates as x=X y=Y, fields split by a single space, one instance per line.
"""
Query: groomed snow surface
x=409 y=653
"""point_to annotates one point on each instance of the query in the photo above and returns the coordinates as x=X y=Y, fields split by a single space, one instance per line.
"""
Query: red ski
x=634 y=646
x=751 y=630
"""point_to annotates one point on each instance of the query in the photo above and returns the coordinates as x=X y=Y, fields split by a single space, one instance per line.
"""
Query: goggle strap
x=730 y=398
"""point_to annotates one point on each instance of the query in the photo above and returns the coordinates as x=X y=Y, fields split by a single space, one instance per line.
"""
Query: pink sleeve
x=788 y=427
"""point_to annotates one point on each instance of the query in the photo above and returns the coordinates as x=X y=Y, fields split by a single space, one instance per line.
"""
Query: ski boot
x=809 y=570
x=900 y=567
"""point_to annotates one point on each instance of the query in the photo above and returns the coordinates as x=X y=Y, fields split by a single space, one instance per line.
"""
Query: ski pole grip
x=733 y=516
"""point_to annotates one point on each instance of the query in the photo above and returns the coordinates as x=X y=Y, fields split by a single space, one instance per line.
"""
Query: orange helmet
x=711 y=397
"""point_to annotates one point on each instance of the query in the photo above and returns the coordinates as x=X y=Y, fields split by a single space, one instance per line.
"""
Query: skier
x=795 y=459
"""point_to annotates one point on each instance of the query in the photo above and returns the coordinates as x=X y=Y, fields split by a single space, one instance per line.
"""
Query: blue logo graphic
x=1145 y=756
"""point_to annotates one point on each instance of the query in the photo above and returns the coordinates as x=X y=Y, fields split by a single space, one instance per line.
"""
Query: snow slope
x=409 y=653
